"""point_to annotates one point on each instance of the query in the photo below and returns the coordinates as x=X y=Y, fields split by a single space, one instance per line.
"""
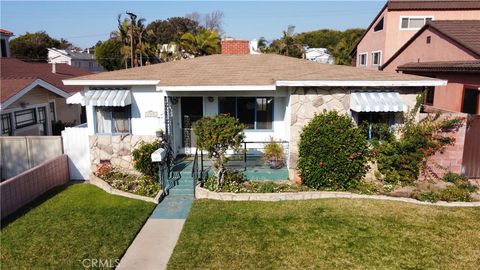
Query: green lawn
x=70 y=224
x=328 y=234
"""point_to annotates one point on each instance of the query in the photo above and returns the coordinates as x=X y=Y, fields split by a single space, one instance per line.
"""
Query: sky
x=85 y=22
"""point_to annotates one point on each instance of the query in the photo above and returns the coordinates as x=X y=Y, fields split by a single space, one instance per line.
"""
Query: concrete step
x=184 y=183
x=181 y=191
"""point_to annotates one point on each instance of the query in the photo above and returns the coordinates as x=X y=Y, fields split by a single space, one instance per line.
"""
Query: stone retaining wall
x=201 y=193
x=109 y=189
x=117 y=149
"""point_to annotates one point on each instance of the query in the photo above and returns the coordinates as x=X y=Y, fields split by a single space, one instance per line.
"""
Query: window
x=112 y=120
x=429 y=96
x=414 y=23
x=362 y=59
x=429 y=39
x=6 y=124
x=25 y=118
x=3 y=46
x=376 y=58
x=374 y=120
x=470 y=101
x=255 y=113
x=379 y=26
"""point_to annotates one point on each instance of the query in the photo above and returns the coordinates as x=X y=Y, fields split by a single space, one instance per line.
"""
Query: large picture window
x=25 y=118
x=112 y=120
x=254 y=112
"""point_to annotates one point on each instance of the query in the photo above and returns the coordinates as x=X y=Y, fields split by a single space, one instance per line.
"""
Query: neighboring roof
x=354 y=48
x=465 y=33
x=443 y=66
x=74 y=54
x=5 y=32
x=433 y=4
x=15 y=75
x=241 y=70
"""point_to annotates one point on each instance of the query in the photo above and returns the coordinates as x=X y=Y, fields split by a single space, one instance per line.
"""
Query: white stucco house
x=319 y=55
x=273 y=95
x=74 y=58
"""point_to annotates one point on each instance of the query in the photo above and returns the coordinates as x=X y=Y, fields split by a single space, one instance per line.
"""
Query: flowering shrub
x=104 y=170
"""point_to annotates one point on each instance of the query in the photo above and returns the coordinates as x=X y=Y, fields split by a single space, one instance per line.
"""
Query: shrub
x=332 y=152
x=217 y=134
x=452 y=177
x=455 y=194
x=274 y=154
x=428 y=196
x=104 y=170
x=142 y=160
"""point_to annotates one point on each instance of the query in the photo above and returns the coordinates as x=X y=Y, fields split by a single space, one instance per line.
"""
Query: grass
x=70 y=224
x=327 y=234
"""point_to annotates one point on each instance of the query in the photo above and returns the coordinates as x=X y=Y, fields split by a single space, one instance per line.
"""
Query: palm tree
x=205 y=42
x=288 y=45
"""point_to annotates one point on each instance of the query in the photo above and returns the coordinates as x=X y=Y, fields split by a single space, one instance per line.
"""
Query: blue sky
x=85 y=22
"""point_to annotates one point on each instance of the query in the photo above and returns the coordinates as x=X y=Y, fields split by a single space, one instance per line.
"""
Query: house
x=273 y=95
x=448 y=50
x=33 y=97
x=399 y=20
x=4 y=45
x=74 y=58
x=319 y=55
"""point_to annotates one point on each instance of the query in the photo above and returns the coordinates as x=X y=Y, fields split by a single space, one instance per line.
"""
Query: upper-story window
x=414 y=22
x=379 y=25
x=362 y=59
x=376 y=58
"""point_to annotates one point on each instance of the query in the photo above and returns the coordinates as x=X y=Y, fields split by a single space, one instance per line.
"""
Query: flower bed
x=141 y=185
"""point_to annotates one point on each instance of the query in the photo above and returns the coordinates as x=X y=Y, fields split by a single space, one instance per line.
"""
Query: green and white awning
x=114 y=98
x=377 y=102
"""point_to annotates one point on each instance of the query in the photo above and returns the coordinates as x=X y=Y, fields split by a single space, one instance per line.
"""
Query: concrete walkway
x=155 y=242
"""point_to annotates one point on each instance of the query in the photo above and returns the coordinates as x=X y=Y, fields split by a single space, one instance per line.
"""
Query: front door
x=192 y=110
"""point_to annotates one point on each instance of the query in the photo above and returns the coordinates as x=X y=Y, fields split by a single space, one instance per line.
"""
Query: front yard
x=327 y=234
x=73 y=224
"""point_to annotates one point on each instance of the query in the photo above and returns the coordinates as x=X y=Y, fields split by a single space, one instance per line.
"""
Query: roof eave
x=110 y=82
x=364 y=83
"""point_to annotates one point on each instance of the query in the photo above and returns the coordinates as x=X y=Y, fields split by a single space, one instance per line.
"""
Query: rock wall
x=117 y=149
x=305 y=102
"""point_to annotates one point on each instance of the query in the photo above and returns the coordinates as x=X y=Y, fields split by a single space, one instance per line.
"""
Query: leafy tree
x=217 y=134
x=288 y=45
x=33 y=46
x=206 y=42
x=170 y=30
x=108 y=54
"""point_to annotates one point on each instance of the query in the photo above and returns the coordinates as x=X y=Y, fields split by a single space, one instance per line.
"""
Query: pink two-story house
x=399 y=20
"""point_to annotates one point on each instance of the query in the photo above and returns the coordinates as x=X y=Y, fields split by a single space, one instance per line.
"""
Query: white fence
x=20 y=153
x=77 y=147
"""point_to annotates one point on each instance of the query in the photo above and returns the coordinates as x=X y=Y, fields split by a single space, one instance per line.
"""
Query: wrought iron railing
x=197 y=169
x=252 y=153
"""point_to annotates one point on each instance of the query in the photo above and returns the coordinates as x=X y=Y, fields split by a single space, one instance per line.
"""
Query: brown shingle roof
x=464 y=33
x=443 y=66
x=263 y=69
x=17 y=74
x=6 y=32
x=433 y=4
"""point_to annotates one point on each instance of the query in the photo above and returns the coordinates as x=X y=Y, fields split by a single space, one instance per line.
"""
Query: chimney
x=235 y=46
x=54 y=67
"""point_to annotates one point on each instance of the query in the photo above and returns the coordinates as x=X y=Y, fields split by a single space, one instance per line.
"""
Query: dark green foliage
x=332 y=152
x=33 y=46
x=217 y=134
x=142 y=160
x=452 y=177
x=428 y=196
x=108 y=54
x=170 y=30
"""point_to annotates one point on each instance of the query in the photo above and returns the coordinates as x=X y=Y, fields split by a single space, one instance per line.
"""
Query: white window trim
x=12 y=111
x=413 y=17
x=380 y=58
x=366 y=59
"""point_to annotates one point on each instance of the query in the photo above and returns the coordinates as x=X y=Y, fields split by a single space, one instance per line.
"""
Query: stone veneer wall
x=307 y=101
x=117 y=149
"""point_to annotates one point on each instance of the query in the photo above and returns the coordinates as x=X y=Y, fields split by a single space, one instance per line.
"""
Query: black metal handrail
x=197 y=172
x=257 y=151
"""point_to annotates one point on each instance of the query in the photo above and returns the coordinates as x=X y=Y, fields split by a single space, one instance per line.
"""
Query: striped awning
x=377 y=102
x=114 y=98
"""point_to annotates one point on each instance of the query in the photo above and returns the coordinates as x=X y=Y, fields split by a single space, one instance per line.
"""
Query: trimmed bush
x=142 y=160
x=332 y=152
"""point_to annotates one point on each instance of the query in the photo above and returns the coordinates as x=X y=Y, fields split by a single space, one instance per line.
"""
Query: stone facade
x=307 y=101
x=117 y=149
